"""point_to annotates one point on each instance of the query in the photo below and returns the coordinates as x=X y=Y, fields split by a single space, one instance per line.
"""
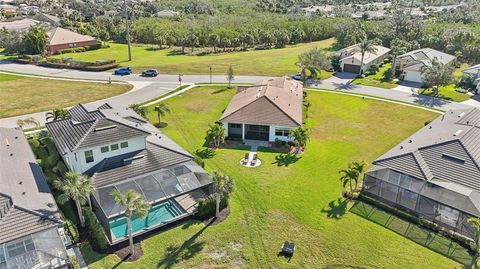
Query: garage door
x=413 y=76
x=351 y=68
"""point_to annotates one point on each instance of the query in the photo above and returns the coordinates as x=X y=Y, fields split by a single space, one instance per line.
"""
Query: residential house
x=351 y=58
x=411 y=64
x=435 y=173
x=474 y=71
x=52 y=20
x=167 y=14
x=120 y=150
x=265 y=111
x=31 y=229
x=59 y=38
x=19 y=25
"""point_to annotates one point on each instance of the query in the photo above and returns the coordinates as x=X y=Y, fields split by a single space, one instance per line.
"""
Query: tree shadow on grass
x=286 y=159
x=205 y=153
x=220 y=90
x=161 y=124
x=336 y=208
x=186 y=251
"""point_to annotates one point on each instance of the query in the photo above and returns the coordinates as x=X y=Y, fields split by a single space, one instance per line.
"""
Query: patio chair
x=288 y=248
x=254 y=160
x=245 y=159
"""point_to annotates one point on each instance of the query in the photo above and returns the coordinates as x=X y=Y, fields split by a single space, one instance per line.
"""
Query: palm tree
x=57 y=114
x=28 y=121
x=358 y=167
x=222 y=184
x=230 y=76
x=162 y=110
x=365 y=46
x=347 y=176
x=76 y=187
x=139 y=109
x=135 y=205
x=216 y=134
x=475 y=222
x=313 y=61
x=300 y=136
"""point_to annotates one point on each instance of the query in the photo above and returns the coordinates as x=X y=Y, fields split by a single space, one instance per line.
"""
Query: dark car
x=123 y=71
x=150 y=73
x=297 y=76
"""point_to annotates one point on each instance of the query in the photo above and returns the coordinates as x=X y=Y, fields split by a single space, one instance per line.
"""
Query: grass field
x=23 y=95
x=377 y=79
x=296 y=198
x=274 y=62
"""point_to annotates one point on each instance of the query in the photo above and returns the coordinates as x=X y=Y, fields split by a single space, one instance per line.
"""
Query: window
x=235 y=125
x=114 y=147
x=447 y=215
x=124 y=144
x=88 y=156
x=104 y=149
x=282 y=131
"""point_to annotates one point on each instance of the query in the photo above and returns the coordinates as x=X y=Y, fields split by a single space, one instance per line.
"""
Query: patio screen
x=162 y=184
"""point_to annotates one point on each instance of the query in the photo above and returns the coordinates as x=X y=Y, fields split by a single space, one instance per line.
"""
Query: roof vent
x=16 y=137
x=461 y=114
x=457 y=133
x=430 y=127
x=105 y=128
x=401 y=147
x=134 y=158
x=20 y=182
x=410 y=141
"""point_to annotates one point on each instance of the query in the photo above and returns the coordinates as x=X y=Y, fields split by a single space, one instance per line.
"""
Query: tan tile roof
x=59 y=36
x=354 y=51
x=276 y=101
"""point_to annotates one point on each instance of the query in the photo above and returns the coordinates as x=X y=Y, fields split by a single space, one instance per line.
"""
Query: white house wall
x=273 y=137
x=366 y=66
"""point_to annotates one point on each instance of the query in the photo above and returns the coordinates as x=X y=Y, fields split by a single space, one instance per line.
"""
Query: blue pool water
x=159 y=213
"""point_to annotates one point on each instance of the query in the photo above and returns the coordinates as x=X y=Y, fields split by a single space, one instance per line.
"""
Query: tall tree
x=475 y=223
x=57 y=114
x=365 y=46
x=216 y=134
x=398 y=47
x=230 y=76
x=35 y=40
x=139 y=109
x=76 y=187
x=313 y=61
x=135 y=205
x=162 y=110
x=437 y=74
x=222 y=185
x=300 y=136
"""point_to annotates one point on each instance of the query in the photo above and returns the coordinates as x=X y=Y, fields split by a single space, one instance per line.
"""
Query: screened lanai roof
x=154 y=187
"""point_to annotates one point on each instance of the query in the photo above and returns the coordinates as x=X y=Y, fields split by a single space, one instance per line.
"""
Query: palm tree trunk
x=351 y=188
x=159 y=118
x=217 y=204
x=80 y=215
x=361 y=64
x=130 y=235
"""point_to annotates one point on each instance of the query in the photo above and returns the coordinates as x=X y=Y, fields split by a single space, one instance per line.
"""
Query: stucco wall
x=52 y=49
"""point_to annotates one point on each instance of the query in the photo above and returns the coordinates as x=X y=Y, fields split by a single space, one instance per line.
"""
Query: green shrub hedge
x=72 y=229
x=95 y=230
x=206 y=206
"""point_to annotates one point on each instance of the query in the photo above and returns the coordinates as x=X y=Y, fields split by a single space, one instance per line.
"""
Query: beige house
x=266 y=111
x=410 y=64
x=351 y=58
x=59 y=38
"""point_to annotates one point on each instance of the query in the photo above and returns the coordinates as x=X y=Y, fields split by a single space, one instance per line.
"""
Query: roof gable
x=59 y=36
x=406 y=164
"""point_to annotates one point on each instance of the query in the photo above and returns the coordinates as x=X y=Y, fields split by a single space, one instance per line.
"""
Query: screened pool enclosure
x=167 y=190
x=431 y=200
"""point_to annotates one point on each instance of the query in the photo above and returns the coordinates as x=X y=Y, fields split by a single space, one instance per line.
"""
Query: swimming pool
x=159 y=213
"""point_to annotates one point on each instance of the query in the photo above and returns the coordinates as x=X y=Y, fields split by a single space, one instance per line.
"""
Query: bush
x=206 y=206
x=460 y=90
x=72 y=230
x=63 y=51
x=373 y=69
x=95 y=230
x=93 y=47
x=49 y=175
x=61 y=167
x=34 y=143
x=74 y=262
x=199 y=161
x=388 y=74
x=43 y=155
x=53 y=160
x=335 y=62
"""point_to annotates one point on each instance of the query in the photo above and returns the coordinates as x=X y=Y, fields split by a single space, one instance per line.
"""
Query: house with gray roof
x=411 y=64
x=120 y=150
x=474 y=72
x=435 y=173
x=31 y=229
x=265 y=111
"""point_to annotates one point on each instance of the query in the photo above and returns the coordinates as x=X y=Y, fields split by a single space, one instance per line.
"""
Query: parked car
x=150 y=73
x=123 y=71
x=297 y=76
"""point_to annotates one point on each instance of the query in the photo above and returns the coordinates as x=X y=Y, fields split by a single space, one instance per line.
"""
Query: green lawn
x=300 y=201
x=447 y=92
x=22 y=95
x=274 y=62
x=377 y=79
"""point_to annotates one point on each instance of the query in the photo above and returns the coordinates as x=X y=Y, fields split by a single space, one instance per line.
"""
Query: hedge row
x=95 y=230
x=72 y=229
x=81 y=49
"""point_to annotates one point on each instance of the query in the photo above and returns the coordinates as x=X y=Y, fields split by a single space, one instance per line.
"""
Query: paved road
x=148 y=88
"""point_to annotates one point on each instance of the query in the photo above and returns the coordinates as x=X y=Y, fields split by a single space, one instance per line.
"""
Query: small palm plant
x=28 y=121
x=57 y=114
x=162 y=110
x=475 y=222
x=216 y=134
x=300 y=136
x=139 y=109
x=135 y=205
x=222 y=184
x=77 y=187
x=348 y=176
x=365 y=46
x=358 y=167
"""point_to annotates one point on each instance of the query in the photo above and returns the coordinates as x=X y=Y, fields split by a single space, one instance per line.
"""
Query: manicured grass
x=300 y=201
x=447 y=92
x=23 y=95
x=377 y=79
x=274 y=62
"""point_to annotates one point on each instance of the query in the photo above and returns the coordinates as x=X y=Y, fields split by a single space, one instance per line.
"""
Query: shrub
x=335 y=62
x=79 y=49
x=72 y=230
x=53 y=160
x=43 y=155
x=34 y=143
x=93 y=47
x=74 y=262
x=206 y=206
x=461 y=90
x=61 y=167
x=95 y=230
x=388 y=74
x=373 y=69
x=49 y=175
x=63 y=51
